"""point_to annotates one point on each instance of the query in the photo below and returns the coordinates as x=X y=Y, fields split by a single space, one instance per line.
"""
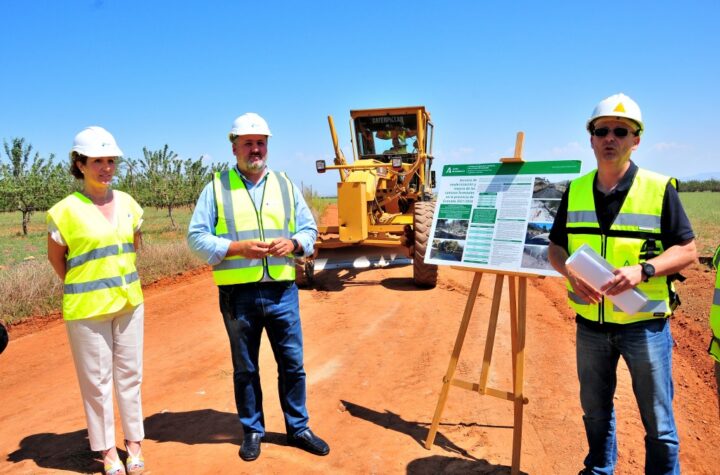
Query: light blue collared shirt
x=212 y=249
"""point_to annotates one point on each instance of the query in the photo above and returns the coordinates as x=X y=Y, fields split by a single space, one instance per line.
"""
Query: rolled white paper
x=596 y=271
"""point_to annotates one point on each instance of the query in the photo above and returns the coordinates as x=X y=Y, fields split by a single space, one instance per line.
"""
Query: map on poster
x=497 y=216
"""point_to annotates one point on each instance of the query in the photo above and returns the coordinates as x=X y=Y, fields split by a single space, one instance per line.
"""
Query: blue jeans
x=246 y=310
x=646 y=348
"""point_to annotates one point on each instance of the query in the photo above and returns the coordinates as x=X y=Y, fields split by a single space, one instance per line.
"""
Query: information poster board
x=497 y=216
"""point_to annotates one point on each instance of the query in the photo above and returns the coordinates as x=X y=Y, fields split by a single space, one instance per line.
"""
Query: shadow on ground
x=418 y=431
x=335 y=280
x=453 y=465
x=204 y=426
x=69 y=451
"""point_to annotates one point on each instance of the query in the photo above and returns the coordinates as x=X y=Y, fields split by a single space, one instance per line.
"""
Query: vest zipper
x=258 y=215
x=601 y=307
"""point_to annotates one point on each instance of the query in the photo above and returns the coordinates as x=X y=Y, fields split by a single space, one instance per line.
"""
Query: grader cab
x=384 y=197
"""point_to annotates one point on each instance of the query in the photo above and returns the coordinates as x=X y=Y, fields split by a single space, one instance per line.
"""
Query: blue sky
x=157 y=72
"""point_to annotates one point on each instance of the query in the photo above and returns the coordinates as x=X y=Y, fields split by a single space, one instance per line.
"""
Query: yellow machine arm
x=339 y=157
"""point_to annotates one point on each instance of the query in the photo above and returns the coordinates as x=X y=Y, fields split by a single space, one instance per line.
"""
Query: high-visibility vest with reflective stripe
x=634 y=237
x=100 y=276
x=714 y=349
x=239 y=220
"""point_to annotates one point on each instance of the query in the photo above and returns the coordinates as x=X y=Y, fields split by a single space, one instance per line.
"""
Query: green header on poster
x=553 y=167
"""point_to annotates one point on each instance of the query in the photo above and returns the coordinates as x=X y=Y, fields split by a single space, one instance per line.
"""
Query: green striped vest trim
x=100 y=277
x=633 y=237
x=238 y=220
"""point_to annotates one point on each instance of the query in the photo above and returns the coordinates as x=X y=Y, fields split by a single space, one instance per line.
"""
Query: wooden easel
x=518 y=305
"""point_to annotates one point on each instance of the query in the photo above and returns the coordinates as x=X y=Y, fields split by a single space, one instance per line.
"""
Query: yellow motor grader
x=384 y=197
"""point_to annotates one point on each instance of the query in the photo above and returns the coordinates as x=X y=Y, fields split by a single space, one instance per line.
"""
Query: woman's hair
x=74 y=169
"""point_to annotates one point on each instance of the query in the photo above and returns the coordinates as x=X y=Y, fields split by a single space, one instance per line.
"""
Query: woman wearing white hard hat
x=93 y=235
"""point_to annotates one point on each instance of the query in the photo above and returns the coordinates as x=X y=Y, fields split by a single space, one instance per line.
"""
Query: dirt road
x=376 y=351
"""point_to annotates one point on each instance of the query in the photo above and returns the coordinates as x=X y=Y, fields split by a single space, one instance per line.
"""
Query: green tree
x=163 y=180
x=29 y=183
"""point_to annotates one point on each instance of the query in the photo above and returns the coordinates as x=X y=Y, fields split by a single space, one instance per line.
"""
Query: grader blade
x=365 y=257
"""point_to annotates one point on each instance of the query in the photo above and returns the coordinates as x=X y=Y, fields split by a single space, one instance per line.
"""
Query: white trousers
x=109 y=349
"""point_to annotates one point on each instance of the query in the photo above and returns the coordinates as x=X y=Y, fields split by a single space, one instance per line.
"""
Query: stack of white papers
x=596 y=271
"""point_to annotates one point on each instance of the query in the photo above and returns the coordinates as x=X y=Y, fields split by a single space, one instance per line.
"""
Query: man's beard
x=256 y=165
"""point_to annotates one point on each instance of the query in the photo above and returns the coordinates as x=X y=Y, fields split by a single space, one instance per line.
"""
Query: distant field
x=703 y=209
x=16 y=247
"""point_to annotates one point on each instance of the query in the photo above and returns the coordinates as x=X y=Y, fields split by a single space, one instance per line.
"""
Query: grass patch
x=156 y=261
x=34 y=287
x=16 y=248
x=37 y=290
x=26 y=274
x=316 y=203
x=703 y=209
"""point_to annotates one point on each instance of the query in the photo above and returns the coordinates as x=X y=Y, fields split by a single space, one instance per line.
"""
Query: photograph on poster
x=545 y=187
x=538 y=233
x=451 y=229
x=447 y=249
x=543 y=210
x=536 y=257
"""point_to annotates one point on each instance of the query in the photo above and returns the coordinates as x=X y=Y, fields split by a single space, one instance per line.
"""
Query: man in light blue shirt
x=249 y=223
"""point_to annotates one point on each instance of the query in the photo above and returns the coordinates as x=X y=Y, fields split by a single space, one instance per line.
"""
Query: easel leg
x=454 y=359
x=492 y=329
x=519 y=358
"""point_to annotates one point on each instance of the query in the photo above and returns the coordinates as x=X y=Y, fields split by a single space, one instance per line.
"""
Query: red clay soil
x=376 y=350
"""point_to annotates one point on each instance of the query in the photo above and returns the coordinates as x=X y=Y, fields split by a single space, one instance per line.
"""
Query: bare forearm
x=56 y=256
x=675 y=258
x=557 y=256
x=137 y=241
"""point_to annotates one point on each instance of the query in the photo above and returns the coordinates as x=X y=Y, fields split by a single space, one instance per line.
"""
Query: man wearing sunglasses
x=634 y=218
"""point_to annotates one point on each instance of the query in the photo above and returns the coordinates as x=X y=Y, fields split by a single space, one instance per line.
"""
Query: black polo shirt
x=675 y=226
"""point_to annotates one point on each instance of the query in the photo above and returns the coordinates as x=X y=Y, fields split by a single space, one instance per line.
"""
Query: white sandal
x=114 y=467
x=135 y=463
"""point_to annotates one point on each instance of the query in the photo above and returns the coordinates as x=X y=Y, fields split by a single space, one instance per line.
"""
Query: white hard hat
x=617 y=105
x=95 y=141
x=249 y=124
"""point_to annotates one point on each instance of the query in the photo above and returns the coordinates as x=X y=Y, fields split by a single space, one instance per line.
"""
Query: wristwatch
x=648 y=271
x=296 y=245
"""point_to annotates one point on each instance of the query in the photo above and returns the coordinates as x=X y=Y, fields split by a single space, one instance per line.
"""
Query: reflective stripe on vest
x=714 y=349
x=633 y=237
x=239 y=220
x=100 y=277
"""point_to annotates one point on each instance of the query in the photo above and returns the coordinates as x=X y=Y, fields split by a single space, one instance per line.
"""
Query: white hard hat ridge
x=95 y=141
x=617 y=105
x=249 y=123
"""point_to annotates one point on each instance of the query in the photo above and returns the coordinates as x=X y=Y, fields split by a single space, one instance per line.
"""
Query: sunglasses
x=617 y=131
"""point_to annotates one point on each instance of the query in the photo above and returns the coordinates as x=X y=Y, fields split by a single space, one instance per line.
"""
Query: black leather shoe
x=250 y=448
x=306 y=440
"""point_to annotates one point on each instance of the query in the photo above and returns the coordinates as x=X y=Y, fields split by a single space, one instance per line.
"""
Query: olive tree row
x=29 y=182
x=162 y=180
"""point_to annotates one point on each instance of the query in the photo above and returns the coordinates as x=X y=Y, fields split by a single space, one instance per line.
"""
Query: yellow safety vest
x=633 y=238
x=100 y=277
x=239 y=220
x=714 y=349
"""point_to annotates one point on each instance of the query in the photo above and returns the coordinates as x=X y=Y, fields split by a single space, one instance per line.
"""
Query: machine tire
x=424 y=275
x=304 y=272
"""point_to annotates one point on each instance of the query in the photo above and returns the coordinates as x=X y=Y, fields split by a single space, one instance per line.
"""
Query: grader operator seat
x=383 y=137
